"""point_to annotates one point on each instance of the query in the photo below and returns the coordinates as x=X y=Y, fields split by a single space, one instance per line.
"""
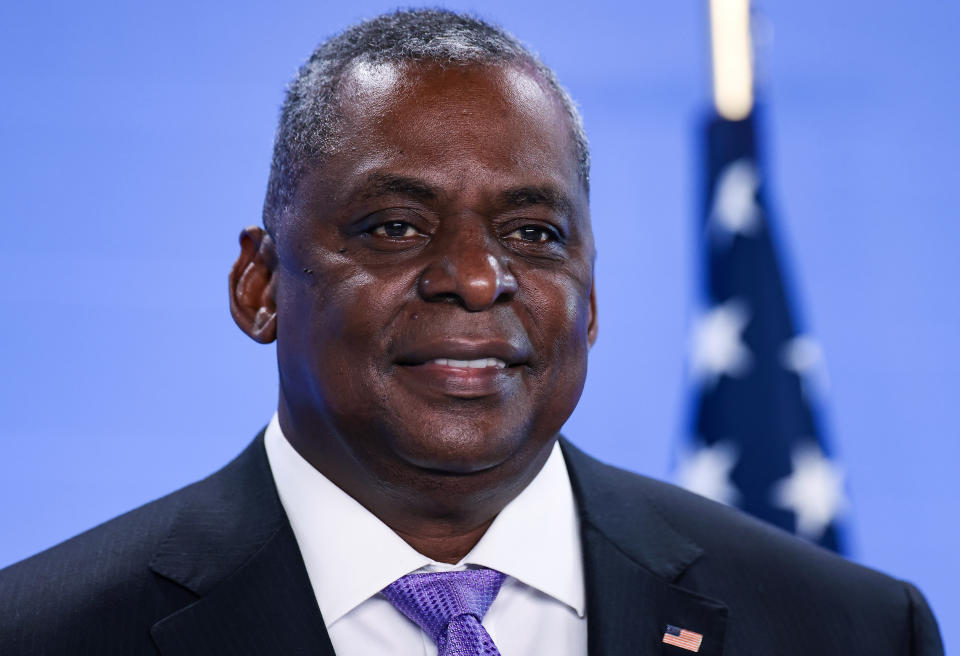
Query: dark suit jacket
x=214 y=569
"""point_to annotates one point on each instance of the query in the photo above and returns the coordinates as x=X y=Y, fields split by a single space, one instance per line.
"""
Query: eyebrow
x=545 y=195
x=384 y=184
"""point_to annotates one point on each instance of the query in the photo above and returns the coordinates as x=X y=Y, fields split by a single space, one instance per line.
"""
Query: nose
x=468 y=271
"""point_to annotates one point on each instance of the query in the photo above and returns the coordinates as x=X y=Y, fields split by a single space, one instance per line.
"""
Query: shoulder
x=99 y=588
x=99 y=576
x=613 y=497
x=761 y=573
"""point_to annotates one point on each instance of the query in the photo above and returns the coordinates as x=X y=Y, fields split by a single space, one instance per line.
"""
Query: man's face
x=434 y=285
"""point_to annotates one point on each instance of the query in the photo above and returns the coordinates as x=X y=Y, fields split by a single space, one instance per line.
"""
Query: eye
x=395 y=230
x=533 y=234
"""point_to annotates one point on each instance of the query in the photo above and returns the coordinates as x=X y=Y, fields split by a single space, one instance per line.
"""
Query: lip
x=427 y=367
x=464 y=349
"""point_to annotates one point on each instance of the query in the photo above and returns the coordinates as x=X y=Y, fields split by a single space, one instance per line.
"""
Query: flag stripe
x=688 y=640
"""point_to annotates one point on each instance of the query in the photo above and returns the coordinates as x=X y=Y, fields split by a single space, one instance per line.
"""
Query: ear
x=592 y=325
x=253 y=302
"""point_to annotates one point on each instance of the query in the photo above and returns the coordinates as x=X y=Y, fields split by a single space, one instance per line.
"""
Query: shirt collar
x=350 y=555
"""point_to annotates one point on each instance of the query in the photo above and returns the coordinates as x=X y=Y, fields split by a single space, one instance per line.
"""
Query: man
x=426 y=269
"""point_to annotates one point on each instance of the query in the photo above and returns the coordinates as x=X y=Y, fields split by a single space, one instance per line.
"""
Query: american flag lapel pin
x=682 y=638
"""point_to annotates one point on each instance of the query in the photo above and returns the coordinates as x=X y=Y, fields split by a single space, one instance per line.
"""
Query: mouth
x=466 y=353
x=464 y=369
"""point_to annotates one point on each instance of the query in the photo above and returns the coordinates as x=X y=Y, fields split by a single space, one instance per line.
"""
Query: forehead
x=475 y=121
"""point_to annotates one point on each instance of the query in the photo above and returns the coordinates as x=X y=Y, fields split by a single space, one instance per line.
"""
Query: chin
x=462 y=449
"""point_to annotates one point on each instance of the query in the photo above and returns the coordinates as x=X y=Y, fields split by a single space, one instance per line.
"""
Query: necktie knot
x=449 y=607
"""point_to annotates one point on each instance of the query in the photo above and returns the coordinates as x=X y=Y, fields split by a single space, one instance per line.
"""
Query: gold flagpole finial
x=732 y=56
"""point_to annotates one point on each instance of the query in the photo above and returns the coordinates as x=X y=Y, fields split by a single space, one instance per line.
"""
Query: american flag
x=682 y=638
x=755 y=440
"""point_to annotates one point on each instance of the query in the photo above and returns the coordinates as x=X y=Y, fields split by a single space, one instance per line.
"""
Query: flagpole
x=732 y=58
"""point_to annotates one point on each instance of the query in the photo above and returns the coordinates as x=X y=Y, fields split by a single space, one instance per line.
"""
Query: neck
x=440 y=515
x=450 y=545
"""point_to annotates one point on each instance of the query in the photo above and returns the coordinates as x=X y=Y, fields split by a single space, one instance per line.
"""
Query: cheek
x=559 y=322
x=338 y=316
x=328 y=337
x=559 y=314
x=327 y=295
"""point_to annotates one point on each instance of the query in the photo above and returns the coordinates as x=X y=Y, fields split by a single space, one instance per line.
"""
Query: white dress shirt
x=350 y=556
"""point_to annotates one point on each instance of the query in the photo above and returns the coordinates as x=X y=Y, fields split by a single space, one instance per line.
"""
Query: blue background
x=136 y=142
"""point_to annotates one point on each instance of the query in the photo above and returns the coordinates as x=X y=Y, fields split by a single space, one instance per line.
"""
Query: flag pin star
x=682 y=638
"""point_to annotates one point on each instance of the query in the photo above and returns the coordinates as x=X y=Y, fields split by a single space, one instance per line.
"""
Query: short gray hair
x=308 y=118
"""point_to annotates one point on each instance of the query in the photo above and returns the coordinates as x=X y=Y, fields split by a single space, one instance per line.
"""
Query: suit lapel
x=266 y=607
x=233 y=547
x=632 y=557
x=629 y=608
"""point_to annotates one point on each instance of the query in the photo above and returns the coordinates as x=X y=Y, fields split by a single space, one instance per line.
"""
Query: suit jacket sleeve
x=925 y=634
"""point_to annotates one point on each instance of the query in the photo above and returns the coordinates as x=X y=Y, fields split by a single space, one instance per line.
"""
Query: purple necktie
x=449 y=606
